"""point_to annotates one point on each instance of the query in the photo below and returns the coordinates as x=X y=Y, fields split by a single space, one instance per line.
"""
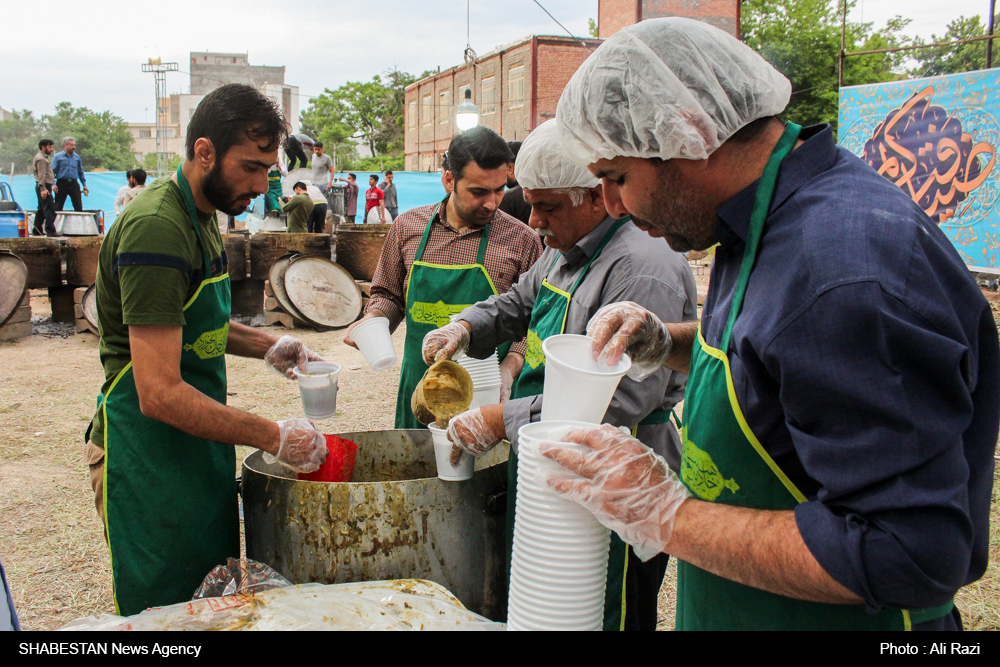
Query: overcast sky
x=92 y=52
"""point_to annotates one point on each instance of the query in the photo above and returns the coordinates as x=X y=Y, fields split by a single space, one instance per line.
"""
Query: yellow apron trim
x=567 y=295
x=621 y=628
x=779 y=473
x=104 y=489
x=907 y=624
x=202 y=285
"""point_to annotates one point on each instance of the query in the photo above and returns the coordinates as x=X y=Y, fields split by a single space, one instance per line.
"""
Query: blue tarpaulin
x=414 y=189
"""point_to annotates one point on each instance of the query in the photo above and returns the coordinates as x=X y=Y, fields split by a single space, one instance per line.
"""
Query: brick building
x=613 y=15
x=516 y=87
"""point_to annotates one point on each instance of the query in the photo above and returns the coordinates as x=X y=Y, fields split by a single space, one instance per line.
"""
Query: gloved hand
x=510 y=369
x=627 y=487
x=288 y=354
x=303 y=448
x=628 y=327
x=473 y=432
x=446 y=343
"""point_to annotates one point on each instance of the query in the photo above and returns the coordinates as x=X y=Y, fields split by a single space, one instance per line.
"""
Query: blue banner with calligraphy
x=936 y=139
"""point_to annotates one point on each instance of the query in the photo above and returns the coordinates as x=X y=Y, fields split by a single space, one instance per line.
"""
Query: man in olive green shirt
x=161 y=445
x=298 y=209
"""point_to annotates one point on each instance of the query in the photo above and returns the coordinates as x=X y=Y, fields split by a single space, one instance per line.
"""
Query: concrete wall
x=287 y=99
x=613 y=15
x=211 y=70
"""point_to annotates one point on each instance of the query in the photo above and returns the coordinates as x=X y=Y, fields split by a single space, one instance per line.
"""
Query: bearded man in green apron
x=843 y=400
x=161 y=444
x=438 y=260
x=592 y=260
x=272 y=198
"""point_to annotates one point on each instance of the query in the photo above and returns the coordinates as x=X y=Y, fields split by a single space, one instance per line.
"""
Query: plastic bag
x=239 y=576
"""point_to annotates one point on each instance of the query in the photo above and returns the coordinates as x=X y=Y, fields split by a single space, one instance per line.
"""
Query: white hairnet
x=542 y=163
x=666 y=88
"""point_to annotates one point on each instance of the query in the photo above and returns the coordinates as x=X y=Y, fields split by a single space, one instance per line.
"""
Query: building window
x=412 y=120
x=427 y=113
x=145 y=134
x=516 y=87
x=489 y=96
x=444 y=107
x=168 y=134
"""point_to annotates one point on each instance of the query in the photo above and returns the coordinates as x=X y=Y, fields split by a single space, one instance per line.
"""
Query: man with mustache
x=160 y=447
x=843 y=396
x=591 y=260
x=439 y=259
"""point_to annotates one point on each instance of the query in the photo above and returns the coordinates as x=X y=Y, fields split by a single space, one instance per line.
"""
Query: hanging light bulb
x=467 y=114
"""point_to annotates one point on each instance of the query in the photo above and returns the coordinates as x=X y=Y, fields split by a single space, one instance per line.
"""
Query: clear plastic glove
x=473 y=432
x=303 y=448
x=510 y=369
x=629 y=489
x=628 y=327
x=288 y=354
x=445 y=343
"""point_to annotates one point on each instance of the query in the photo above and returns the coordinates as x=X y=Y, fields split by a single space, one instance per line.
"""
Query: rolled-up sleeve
x=387 y=290
x=881 y=433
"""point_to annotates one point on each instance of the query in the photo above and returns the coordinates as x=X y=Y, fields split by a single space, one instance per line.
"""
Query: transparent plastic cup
x=375 y=342
x=318 y=388
x=442 y=453
x=576 y=387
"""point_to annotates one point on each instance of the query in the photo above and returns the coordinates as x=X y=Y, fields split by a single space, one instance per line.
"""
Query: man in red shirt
x=375 y=197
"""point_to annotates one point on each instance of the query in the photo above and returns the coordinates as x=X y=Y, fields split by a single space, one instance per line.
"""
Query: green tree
x=149 y=162
x=592 y=28
x=956 y=58
x=19 y=139
x=801 y=38
x=102 y=138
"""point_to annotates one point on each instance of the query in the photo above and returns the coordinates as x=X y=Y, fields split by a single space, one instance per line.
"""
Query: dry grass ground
x=50 y=538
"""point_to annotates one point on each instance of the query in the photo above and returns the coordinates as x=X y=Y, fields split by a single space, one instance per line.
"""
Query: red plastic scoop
x=339 y=466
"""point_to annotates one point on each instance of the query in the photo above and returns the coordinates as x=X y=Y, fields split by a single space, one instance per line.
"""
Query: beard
x=221 y=194
x=478 y=215
x=678 y=214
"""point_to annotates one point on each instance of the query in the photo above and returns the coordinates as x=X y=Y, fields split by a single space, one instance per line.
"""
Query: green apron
x=724 y=462
x=171 y=509
x=272 y=200
x=435 y=293
x=548 y=318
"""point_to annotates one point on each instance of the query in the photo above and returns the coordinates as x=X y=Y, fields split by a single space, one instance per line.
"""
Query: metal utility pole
x=989 y=42
x=159 y=71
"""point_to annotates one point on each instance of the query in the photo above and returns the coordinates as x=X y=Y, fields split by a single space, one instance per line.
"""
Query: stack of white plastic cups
x=560 y=558
x=485 y=376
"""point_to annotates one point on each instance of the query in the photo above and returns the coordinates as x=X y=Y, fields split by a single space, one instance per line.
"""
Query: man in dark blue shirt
x=842 y=337
x=68 y=169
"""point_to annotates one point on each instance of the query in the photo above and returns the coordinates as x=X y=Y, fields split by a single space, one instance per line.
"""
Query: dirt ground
x=50 y=538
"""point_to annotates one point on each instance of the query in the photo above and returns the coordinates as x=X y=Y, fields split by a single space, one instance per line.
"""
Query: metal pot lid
x=90 y=307
x=324 y=292
x=277 y=277
x=13 y=283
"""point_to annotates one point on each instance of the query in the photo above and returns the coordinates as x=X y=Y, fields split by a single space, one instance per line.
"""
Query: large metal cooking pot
x=79 y=223
x=396 y=520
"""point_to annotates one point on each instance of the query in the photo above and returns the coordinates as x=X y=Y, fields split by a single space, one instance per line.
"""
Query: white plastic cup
x=442 y=453
x=576 y=387
x=560 y=552
x=485 y=396
x=318 y=388
x=375 y=342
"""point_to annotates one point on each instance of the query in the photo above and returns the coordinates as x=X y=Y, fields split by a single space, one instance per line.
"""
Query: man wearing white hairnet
x=843 y=396
x=591 y=260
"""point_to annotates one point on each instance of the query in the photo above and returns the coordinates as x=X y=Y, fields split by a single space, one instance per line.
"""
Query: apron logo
x=437 y=314
x=534 y=354
x=210 y=344
x=701 y=475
